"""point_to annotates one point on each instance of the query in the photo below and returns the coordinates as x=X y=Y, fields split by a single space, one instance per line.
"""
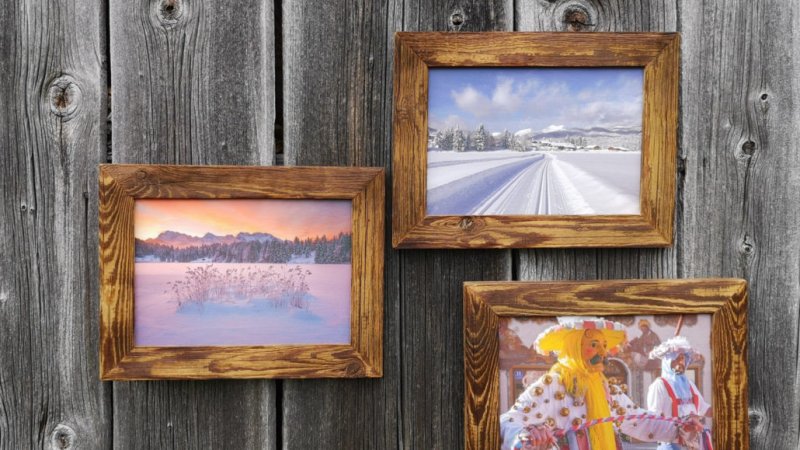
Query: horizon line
x=244 y=232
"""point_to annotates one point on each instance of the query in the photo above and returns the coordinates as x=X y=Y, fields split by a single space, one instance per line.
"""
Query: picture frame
x=122 y=186
x=488 y=304
x=416 y=54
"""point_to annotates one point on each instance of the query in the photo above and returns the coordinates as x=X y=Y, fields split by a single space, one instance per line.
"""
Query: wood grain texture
x=657 y=53
x=169 y=181
x=53 y=105
x=741 y=107
x=193 y=96
x=338 y=59
x=193 y=82
x=534 y=49
x=724 y=299
x=121 y=185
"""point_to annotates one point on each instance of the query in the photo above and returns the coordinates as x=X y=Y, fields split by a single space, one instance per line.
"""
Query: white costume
x=545 y=403
x=549 y=404
x=659 y=400
x=675 y=395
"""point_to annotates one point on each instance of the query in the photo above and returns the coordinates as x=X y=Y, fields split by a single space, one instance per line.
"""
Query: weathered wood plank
x=193 y=82
x=741 y=107
x=589 y=15
x=337 y=105
x=52 y=136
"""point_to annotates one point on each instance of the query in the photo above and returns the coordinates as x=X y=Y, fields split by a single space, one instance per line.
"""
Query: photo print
x=242 y=272
x=629 y=382
x=534 y=141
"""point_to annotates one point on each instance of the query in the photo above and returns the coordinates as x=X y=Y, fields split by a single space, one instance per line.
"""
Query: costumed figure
x=572 y=407
x=641 y=346
x=675 y=395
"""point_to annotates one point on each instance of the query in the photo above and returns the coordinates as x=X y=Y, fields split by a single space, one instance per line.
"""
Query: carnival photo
x=610 y=383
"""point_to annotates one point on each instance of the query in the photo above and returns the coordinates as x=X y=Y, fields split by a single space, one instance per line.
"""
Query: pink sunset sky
x=285 y=219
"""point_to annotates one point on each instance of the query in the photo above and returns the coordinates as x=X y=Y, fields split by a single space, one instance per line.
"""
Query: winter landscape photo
x=530 y=141
x=242 y=272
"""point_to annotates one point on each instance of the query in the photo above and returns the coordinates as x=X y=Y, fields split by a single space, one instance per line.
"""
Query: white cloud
x=552 y=128
x=471 y=100
x=451 y=121
x=515 y=103
x=507 y=97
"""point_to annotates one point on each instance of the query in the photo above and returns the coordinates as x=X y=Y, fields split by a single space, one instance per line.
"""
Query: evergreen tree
x=506 y=140
x=517 y=144
x=444 y=139
x=479 y=139
x=459 y=140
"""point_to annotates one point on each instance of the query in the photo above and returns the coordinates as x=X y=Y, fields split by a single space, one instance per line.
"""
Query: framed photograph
x=240 y=272
x=625 y=365
x=522 y=140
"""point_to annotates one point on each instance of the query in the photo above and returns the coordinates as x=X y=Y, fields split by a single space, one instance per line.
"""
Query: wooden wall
x=310 y=83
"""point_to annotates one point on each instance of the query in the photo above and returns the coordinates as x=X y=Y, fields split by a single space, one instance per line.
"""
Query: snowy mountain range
x=561 y=132
x=180 y=240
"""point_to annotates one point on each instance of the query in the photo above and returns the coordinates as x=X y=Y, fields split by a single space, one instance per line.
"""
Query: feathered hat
x=552 y=339
x=674 y=345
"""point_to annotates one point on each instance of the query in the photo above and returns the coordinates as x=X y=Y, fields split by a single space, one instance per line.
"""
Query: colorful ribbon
x=645 y=416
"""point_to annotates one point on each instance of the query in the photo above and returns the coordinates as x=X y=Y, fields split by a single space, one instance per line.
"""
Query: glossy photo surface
x=242 y=272
x=531 y=141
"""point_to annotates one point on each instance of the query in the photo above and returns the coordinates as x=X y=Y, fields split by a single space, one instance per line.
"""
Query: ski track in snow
x=537 y=183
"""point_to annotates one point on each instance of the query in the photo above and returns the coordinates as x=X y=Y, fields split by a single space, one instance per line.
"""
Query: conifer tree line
x=456 y=139
x=479 y=140
x=326 y=251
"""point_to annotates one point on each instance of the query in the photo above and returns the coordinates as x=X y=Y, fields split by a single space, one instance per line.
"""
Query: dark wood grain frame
x=486 y=302
x=121 y=185
x=415 y=53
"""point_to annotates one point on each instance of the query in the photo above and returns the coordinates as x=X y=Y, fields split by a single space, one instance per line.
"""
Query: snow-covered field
x=159 y=322
x=526 y=183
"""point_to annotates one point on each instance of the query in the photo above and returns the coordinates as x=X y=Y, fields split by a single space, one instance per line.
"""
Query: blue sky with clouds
x=536 y=98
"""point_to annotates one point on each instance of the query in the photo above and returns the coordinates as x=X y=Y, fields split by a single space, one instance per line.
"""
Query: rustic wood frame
x=415 y=53
x=485 y=302
x=120 y=185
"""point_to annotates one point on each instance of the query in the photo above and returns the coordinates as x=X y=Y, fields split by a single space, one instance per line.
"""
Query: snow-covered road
x=510 y=183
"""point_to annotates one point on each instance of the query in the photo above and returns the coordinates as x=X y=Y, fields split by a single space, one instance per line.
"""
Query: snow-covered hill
x=533 y=183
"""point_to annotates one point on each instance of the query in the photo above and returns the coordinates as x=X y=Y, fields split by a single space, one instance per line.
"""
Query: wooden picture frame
x=485 y=303
x=416 y=53
x=122 y=185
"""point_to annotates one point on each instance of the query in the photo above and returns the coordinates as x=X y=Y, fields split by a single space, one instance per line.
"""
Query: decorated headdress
x=553 y=338
x=672 y=347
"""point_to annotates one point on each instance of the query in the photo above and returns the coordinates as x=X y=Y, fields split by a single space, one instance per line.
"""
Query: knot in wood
x=63 y=437
x=457 y=20
x=354 y=369
x=64 y=96
x=466 y=223
x=747 y=245
x=576 y=18
x=748 y=148
x=169 y=11
x=756 y=419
